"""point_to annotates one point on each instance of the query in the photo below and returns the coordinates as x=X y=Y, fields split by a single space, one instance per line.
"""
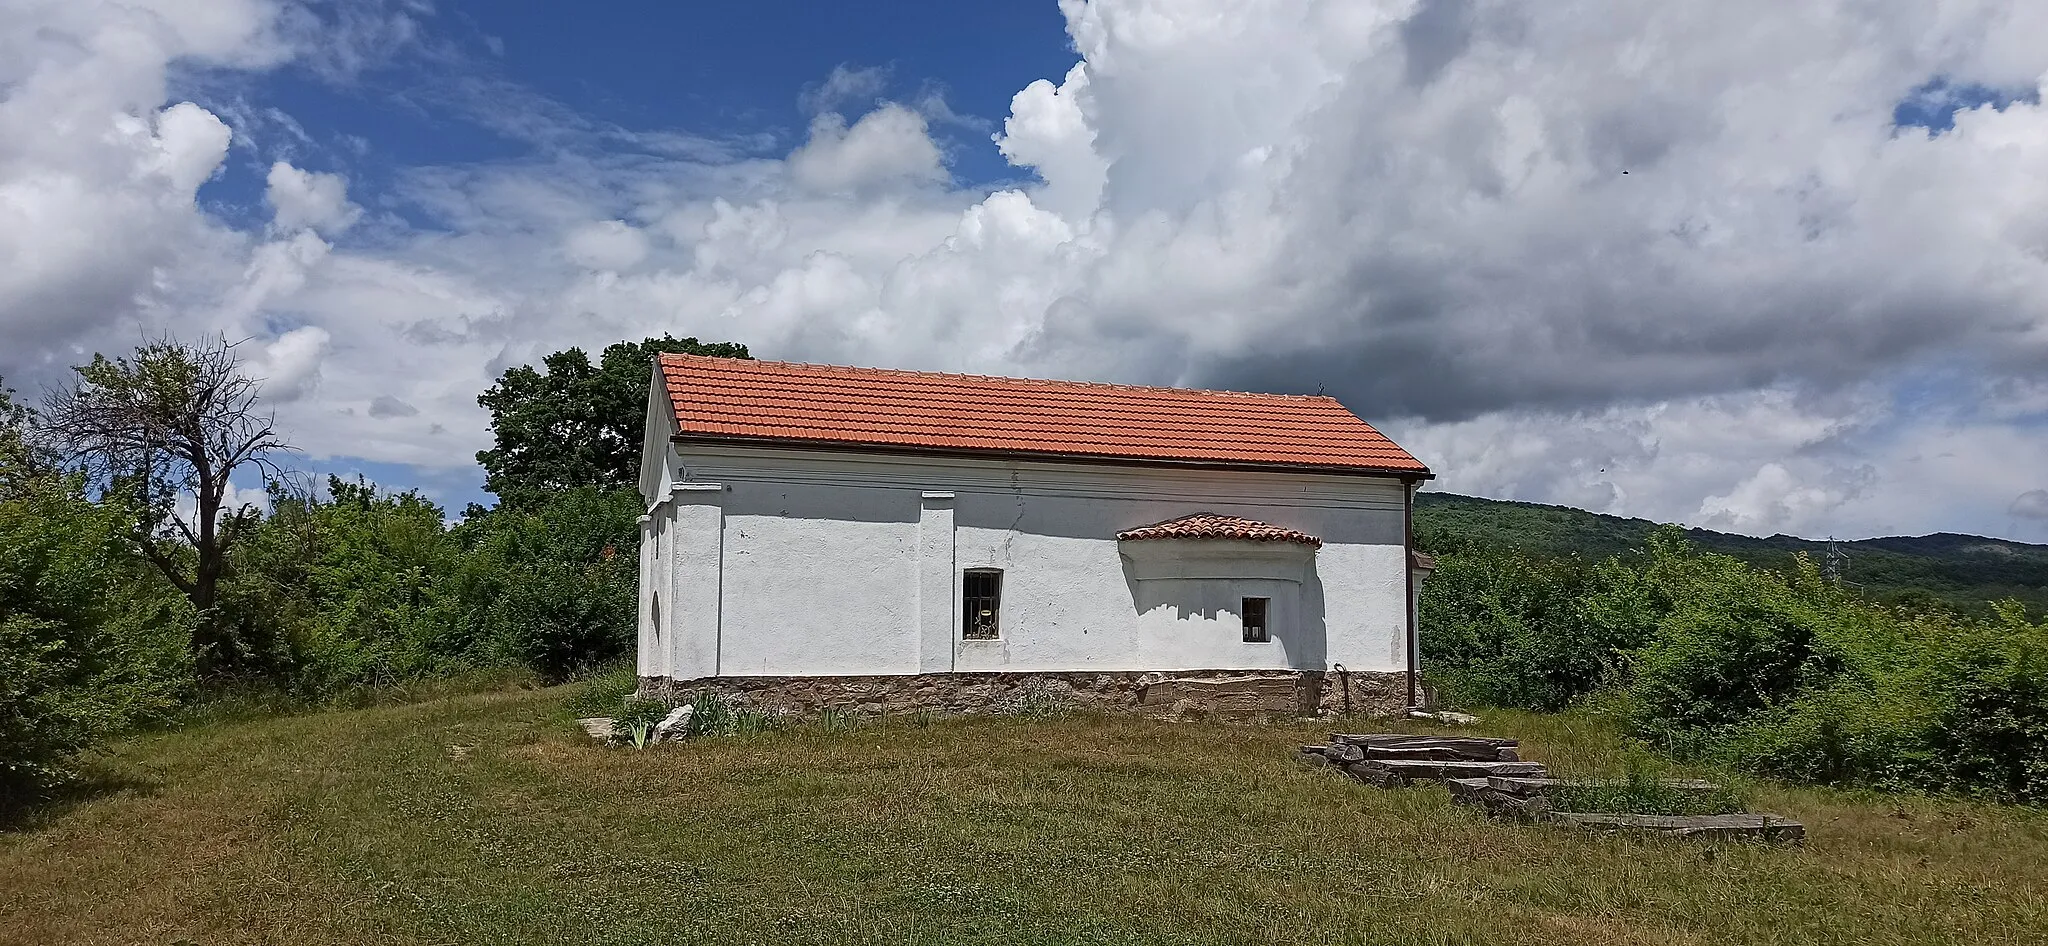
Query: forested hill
x=1963 y=570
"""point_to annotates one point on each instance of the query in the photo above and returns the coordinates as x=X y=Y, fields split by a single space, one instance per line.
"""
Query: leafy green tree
x=17 y=461
x=573 y=423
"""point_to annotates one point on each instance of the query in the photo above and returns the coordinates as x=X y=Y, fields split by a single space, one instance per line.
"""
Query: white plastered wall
x=780 y=561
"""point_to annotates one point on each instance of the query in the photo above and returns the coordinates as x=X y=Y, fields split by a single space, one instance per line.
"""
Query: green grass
x=487 y=819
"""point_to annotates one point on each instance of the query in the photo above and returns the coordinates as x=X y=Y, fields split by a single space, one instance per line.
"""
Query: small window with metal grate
x=981 y=600
x=1253 y=610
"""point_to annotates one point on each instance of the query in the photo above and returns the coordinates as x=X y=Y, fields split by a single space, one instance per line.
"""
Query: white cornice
x=938 y=474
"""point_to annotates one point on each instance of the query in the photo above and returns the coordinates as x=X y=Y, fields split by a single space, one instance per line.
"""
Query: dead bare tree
x=174 y=420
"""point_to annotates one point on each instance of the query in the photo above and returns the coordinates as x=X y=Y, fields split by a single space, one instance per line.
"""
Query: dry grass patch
x=363 y=827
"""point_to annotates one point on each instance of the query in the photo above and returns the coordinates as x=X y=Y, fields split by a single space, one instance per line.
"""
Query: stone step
x=1445 y=748
x=1394 y=773
x=1413 y=739
x=1738 y=827
x=1440 y=754
x=1478 y=791
x=1522 y=785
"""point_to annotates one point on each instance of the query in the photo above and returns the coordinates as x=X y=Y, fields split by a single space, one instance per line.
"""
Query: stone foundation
x=1162 y=693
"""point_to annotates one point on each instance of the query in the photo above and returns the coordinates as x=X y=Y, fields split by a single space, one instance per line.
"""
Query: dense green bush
x=326 y=595
x=1507 y=630
x=1734 y=642
x=1512 y=629
x=369 y=589
x=1914 y=700
x=1780 y=673
x=553 y=586
x=89 y=645
x=349 y=590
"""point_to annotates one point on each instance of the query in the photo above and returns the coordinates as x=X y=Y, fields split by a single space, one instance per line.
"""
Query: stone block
x=1340 y=752
x=1190 y=693
x=1738 y=827
x=1375 y=774
x=1437 y=771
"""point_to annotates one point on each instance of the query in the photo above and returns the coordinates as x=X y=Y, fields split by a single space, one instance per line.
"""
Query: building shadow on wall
x=1303 y=635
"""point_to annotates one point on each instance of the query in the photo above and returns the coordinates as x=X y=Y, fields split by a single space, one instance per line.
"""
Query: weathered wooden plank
x=1442 y=770
x=1504 y=805
x=1737 y=827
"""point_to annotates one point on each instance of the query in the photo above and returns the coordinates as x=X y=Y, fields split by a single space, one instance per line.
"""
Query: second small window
x=981 y=599
x=1254 y=612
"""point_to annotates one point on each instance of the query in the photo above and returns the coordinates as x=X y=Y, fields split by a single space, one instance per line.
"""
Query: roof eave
x=1403 y=474
x=1307 y=541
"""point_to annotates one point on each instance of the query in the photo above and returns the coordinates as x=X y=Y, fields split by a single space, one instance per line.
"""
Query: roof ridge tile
x=818 y=367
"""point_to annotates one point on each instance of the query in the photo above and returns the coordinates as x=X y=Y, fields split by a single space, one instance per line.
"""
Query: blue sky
x=744 y=73
x=737 y=72
x=1933 y=105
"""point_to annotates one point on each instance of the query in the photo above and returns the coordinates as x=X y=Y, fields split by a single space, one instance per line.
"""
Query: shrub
x=1509 y=629
x=1716 y=660
x=368 y=590
x=1994 y=731
x=554 y=587
x=1774 y=672
x=1921 y=701
x=89 y=645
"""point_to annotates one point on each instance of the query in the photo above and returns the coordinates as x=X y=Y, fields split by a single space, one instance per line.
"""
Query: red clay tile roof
x=827 y=404
x=1203 y=525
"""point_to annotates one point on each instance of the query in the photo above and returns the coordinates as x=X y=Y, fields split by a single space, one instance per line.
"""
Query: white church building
x=882 y=540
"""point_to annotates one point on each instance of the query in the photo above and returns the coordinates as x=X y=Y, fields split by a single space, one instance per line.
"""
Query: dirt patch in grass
x=362 y=827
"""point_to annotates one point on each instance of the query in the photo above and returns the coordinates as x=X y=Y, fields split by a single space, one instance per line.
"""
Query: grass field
x=485 y=819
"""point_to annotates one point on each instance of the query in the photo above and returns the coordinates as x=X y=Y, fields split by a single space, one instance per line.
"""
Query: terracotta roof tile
x=1204 y=525
x=782 y=401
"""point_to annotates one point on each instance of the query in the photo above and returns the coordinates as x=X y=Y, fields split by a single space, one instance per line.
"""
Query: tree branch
x=164 y=563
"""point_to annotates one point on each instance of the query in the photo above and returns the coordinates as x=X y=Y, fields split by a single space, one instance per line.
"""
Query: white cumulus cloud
x=607 y=245
x=887 y=146
x=289 y=366
x=309 y=200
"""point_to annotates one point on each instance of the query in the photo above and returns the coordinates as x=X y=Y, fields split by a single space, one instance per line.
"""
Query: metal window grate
x=1254 y=613
x=981 y=600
